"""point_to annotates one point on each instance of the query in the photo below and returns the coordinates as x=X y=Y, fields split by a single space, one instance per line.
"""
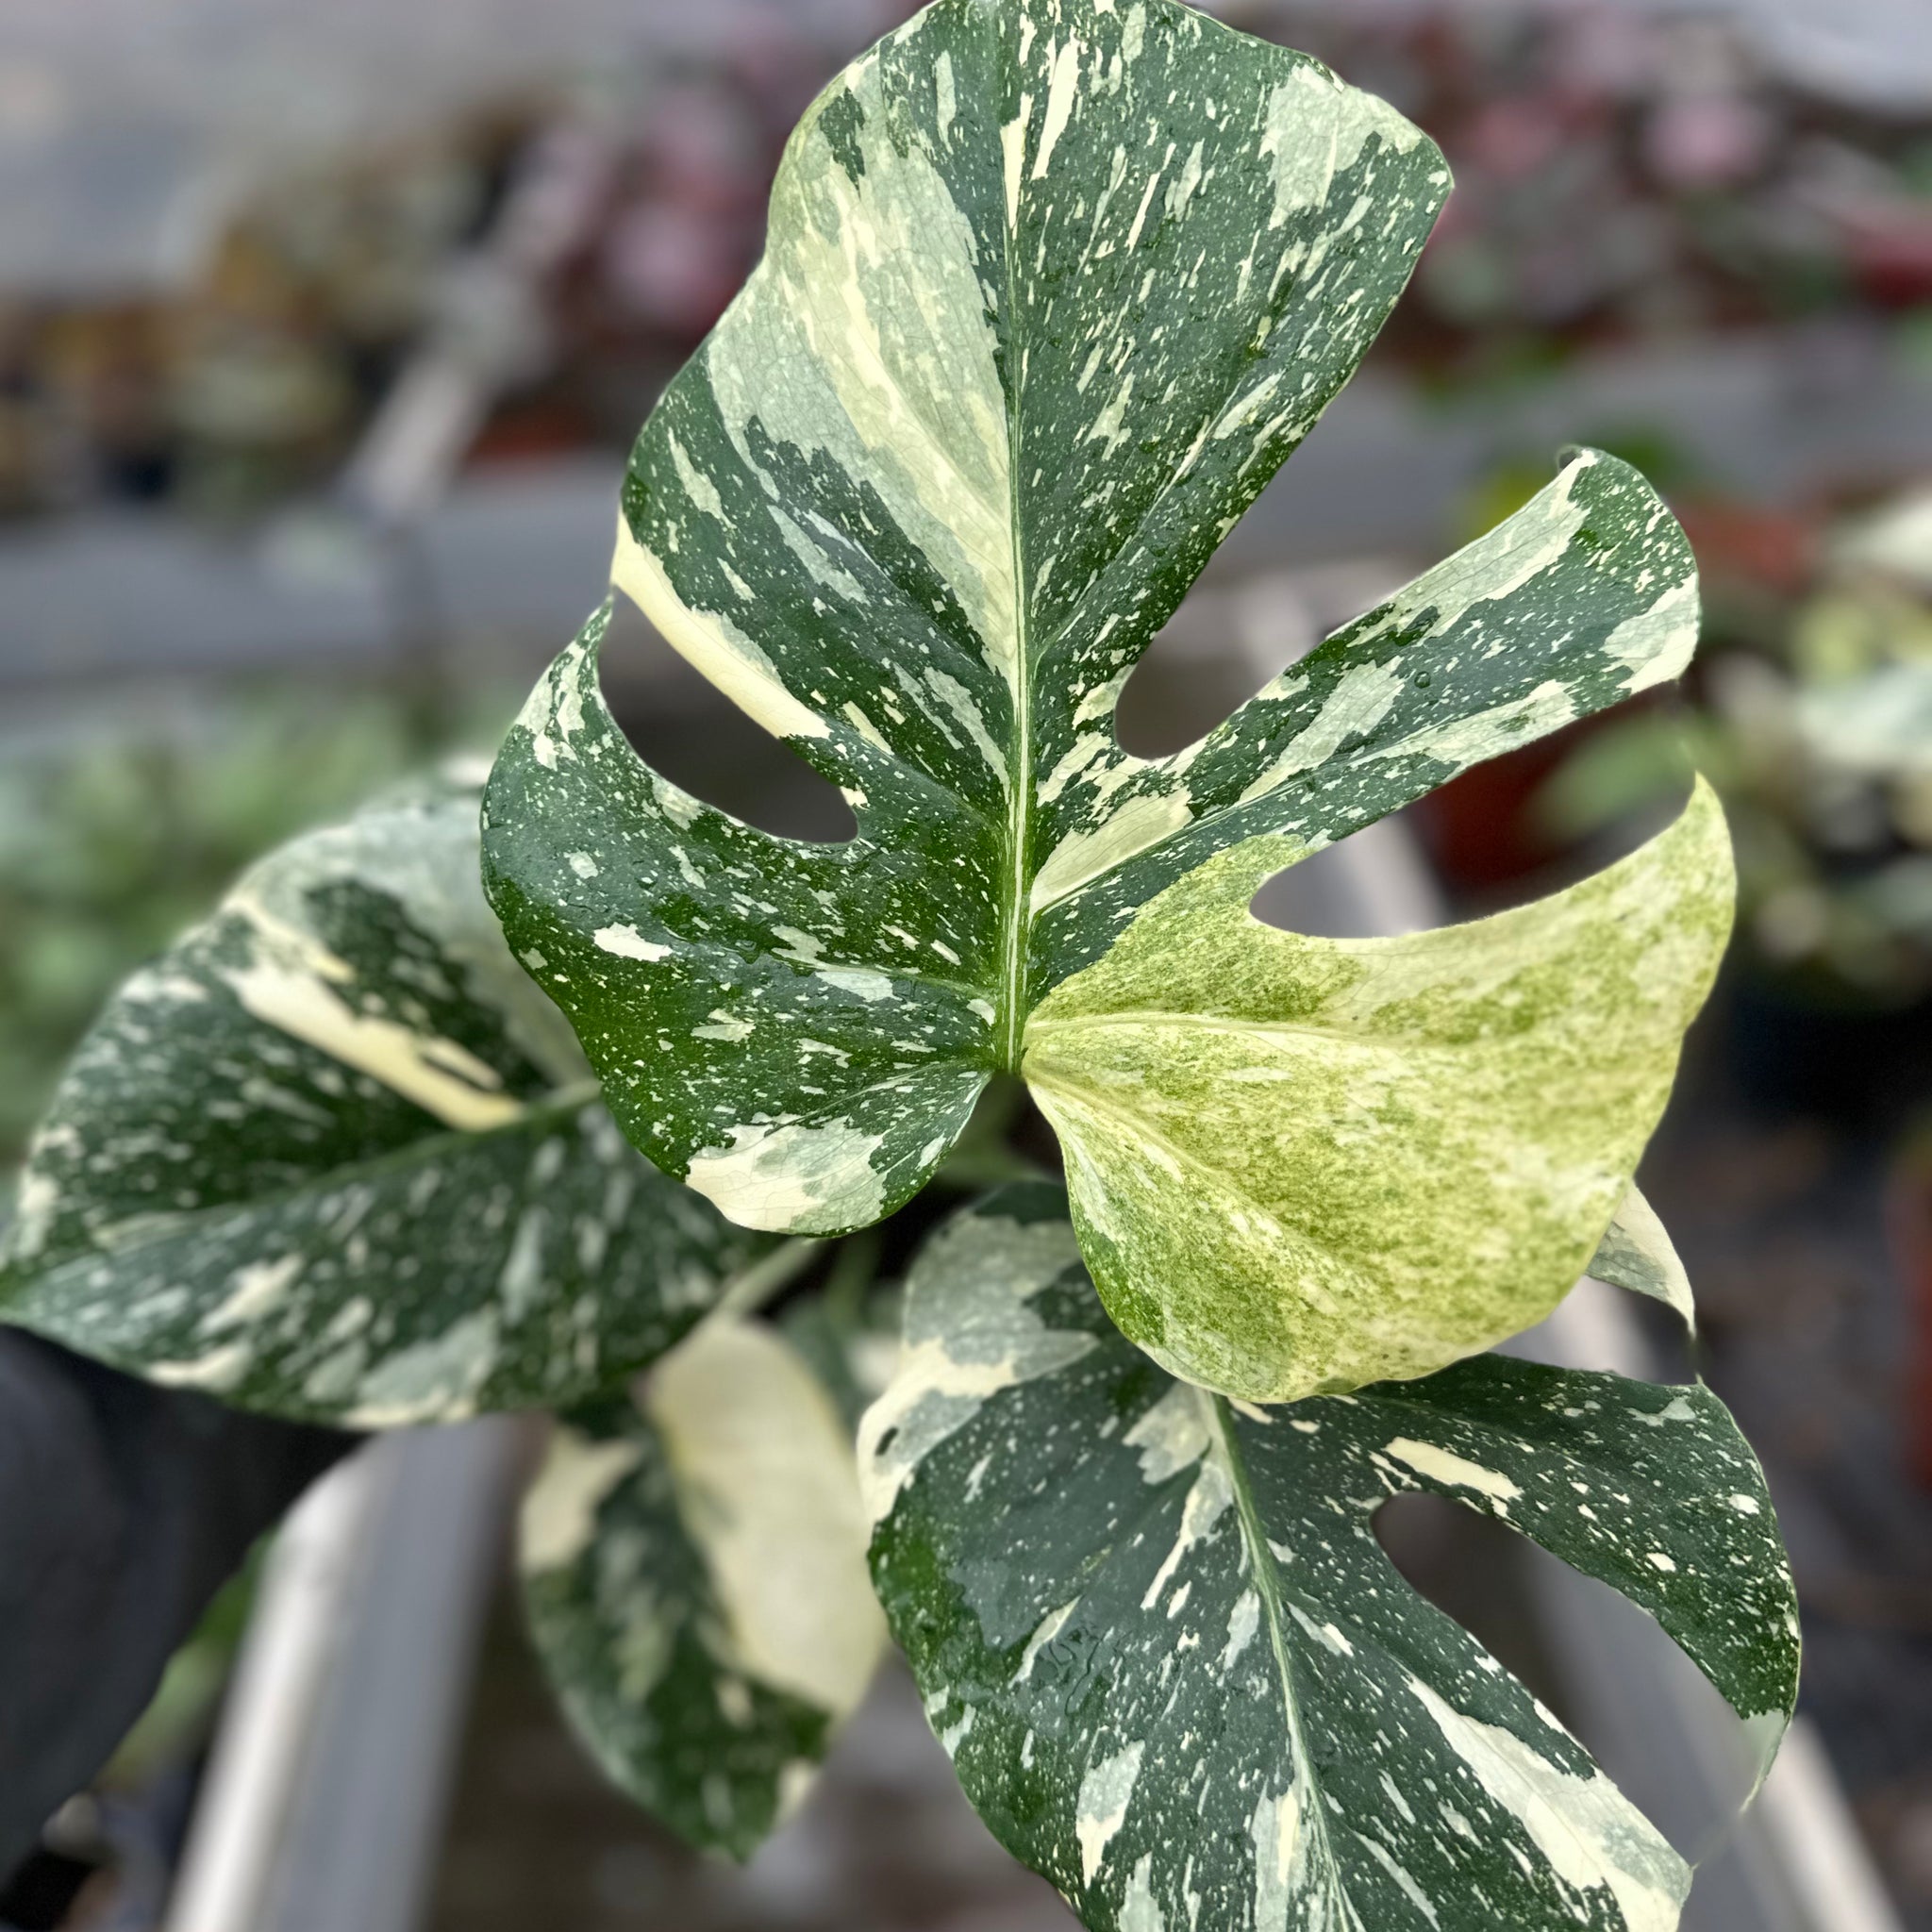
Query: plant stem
x=854 y=1270
x=767 y=1277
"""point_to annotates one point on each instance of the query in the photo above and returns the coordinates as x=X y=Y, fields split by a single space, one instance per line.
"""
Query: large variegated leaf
x=1051 y=289
x=694 y=1570
x=1302 y=1164
x=334 y=1156
x=1176 y=1672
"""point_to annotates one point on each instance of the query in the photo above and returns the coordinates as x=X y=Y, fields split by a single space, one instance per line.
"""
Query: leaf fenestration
x=1051 y=289
x=1178 y=1674
x=333 y=1157
x=693 y=1568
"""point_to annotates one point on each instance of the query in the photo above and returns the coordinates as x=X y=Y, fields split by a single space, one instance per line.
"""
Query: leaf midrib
x=1267 y=1587
x=1271 y=1032
x=1018 y=915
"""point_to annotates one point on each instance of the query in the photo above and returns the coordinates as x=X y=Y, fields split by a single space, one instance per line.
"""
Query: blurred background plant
x=1812 y=713
x=1627 y=173
x=112 y=842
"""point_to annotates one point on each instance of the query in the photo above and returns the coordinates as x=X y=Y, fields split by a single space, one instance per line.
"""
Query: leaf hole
x=684 y=727
x=1551 y=813
x=1474 y=1570
x=1602 y=1665
x=1234 y=633
x=1371 y=886
x=1440 y=861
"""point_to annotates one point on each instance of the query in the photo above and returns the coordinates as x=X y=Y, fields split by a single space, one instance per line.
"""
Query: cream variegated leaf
x=1051 y=289
x=334 y=1158
x=1299 y=1164
x=1637 y=1252
x=693 y=1566
x=1178 y=1675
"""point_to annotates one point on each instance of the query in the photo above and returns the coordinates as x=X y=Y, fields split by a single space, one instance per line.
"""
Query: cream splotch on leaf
x=1305 y=1164
x=693 y=1567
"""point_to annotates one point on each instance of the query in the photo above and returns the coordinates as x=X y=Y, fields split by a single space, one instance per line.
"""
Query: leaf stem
x=1267 y=1582
x=1020 y=761
x=766 y=1278
x=854 y=1270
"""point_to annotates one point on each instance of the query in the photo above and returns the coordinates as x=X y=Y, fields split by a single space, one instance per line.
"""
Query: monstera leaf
x=1178 y=1674
x=1051 y=289
x=334 y=1158
x=694 y=1570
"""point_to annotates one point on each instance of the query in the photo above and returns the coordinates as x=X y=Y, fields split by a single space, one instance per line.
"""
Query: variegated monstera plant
x=1052 y=287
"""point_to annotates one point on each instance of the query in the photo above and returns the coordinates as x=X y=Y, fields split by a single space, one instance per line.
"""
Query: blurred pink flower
x=1707 y=141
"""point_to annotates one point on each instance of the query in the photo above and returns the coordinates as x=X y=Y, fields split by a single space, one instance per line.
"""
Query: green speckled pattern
x=1178 y=1674
x=1298 y=1164
x=693 y=1568
x=332 y=1157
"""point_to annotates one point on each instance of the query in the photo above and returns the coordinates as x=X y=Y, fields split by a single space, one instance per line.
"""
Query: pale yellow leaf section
x=1637 y=1252
x=769 y=1491
x=1300 y=1165
x=558 y=1521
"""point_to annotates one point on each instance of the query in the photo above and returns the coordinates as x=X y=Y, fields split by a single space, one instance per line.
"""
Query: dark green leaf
x=1176 y=1672
x=1051 y=289
x=334 y=1156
